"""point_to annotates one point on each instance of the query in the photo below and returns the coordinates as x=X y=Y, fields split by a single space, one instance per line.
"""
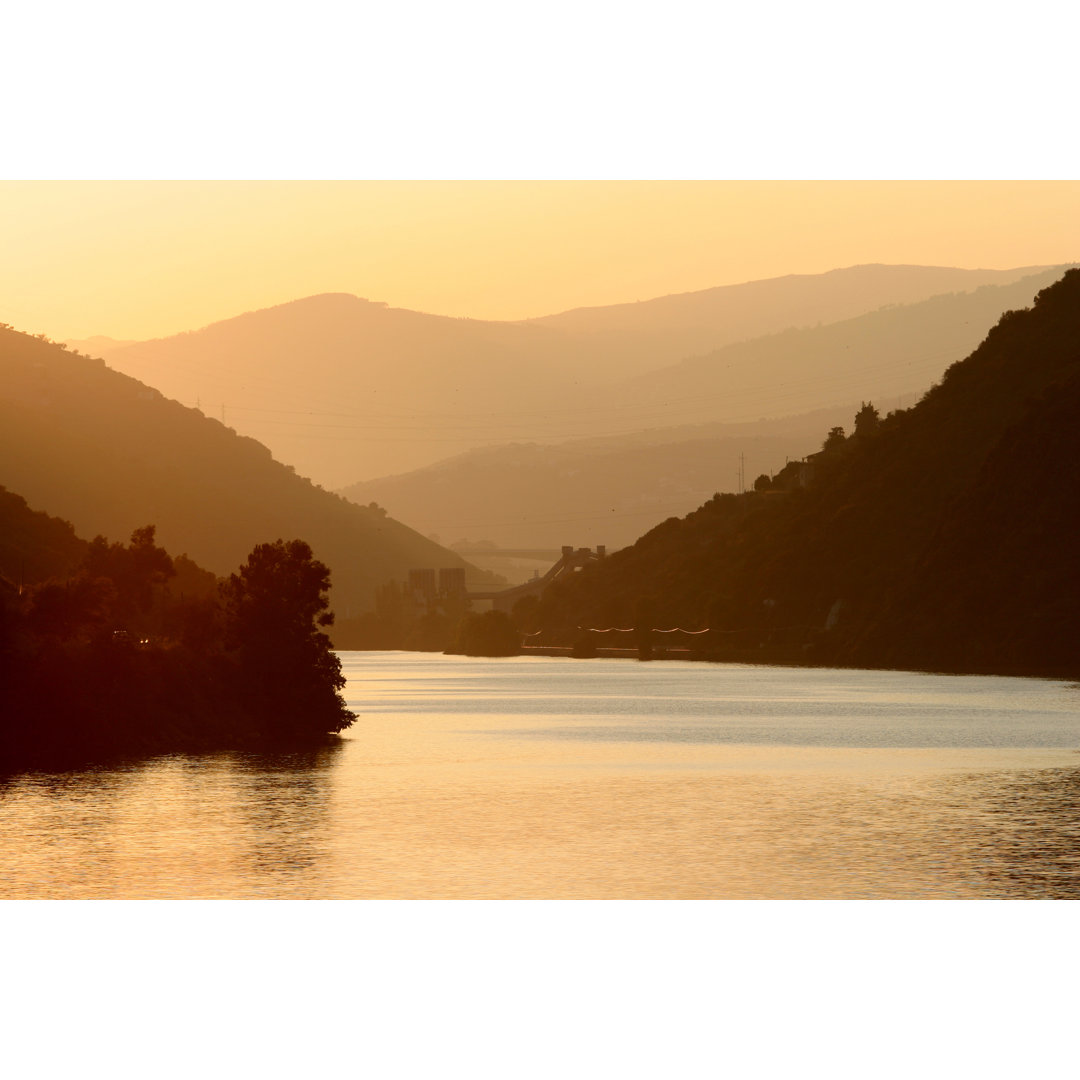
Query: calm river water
x=550 y=777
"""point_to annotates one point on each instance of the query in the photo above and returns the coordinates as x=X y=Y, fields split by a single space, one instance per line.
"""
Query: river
x=546 y=777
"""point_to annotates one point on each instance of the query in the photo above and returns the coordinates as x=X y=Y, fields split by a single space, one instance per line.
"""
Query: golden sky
x=139 y=259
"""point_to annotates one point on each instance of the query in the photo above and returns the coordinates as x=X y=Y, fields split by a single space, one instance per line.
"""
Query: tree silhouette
x=834 y=440
x=867 y=420
x=138 y=572
x=275 y=608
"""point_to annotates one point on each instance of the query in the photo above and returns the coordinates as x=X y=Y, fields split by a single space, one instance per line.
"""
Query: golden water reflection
x=461 y=780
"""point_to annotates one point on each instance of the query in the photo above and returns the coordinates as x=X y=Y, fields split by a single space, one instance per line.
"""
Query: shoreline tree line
x=138 y=653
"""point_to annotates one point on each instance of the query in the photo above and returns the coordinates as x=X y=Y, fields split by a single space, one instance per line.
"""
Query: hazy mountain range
x=654 y=333
x=346 y=389
x=604 y=490
x=333 y=385
x=893 y=351
x=611 y=489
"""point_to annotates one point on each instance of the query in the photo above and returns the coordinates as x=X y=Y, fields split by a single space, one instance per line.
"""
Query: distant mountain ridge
x=685 y=324
x=98 y=345
x=344 y=388
x=612 y=488
x=892 y=351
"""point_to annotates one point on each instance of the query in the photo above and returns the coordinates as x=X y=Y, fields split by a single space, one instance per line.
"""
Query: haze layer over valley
x=346 y=389
x=610 y=489
x=605 y=490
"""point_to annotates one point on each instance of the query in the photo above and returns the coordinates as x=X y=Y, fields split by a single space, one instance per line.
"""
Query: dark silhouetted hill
x=36 y=548
x=942 y=537
x=109 y=454
x=33 y=545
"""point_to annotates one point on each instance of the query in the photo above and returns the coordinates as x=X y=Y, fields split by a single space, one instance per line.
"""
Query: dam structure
x=571 y=560
x=422 y=582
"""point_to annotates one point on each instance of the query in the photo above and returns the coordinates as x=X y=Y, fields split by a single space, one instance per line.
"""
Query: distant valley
x=591 y=427
x=606 y=490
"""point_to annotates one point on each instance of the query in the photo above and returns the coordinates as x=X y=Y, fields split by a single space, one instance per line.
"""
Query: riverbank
x=807 y=656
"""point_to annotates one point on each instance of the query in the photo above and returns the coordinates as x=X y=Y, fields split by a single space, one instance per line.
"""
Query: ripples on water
x=1031 y=844
x=556 y=778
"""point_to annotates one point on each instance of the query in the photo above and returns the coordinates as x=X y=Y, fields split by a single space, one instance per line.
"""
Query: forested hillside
x=942 y=536
x=109 y=454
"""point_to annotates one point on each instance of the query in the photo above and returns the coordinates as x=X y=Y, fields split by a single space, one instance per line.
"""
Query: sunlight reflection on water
x=557 y=778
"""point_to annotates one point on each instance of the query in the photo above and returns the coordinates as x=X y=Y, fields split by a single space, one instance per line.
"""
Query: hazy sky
x=137 y=259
